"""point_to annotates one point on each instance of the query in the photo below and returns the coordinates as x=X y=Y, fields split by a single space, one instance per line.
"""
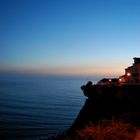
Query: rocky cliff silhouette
x=107 y=102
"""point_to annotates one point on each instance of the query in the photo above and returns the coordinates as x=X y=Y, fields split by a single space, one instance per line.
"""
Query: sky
x=69 y=37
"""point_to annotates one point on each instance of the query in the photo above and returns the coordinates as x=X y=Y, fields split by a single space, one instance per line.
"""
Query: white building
x=132 y=73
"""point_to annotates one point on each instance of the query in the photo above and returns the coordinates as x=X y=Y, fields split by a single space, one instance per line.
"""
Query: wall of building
x=133 y=73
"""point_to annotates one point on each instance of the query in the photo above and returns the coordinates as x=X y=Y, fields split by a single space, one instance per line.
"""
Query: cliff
x=108 y=107
x=107 y=102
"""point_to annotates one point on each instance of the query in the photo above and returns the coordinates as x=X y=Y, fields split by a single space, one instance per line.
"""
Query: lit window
x=120 y=80
x=128 y=74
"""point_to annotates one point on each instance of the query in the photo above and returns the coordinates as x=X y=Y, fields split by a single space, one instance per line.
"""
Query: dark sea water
x=33 y=106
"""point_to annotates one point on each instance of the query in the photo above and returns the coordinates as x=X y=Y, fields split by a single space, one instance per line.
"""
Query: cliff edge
x=107 y=102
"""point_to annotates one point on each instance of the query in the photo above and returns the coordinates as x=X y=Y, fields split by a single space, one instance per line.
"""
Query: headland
x=111 y=98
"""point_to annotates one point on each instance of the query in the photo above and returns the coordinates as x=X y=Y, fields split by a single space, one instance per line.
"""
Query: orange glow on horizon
x=68 y=71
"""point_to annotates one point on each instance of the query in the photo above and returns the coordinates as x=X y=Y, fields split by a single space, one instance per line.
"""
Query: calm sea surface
x=34 y=106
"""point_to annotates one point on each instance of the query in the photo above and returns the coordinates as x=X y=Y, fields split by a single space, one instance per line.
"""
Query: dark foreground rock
x=107 y=102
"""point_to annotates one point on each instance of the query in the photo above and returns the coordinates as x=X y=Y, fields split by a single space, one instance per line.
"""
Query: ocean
x=38 y=106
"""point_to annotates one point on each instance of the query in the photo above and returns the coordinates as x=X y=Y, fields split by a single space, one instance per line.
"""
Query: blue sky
x=71 y=37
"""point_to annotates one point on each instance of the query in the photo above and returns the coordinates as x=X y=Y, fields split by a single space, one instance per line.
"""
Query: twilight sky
x=71 y=37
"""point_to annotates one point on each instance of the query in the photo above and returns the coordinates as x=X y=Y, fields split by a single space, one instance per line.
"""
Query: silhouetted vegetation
x=104 y=130
x=108 y=130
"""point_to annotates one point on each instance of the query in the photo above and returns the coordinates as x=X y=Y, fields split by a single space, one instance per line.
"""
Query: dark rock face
x=105 y=102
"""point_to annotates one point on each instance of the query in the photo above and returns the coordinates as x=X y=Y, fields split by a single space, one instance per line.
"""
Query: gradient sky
x=72 y=37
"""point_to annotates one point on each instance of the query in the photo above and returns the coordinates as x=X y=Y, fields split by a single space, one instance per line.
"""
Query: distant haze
x=69 y=37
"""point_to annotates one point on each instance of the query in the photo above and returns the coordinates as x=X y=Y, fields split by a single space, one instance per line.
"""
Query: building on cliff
x=107 y=81
x=132 y=73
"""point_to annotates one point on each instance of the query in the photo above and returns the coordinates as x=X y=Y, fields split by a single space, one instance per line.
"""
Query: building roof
x=136 y=60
